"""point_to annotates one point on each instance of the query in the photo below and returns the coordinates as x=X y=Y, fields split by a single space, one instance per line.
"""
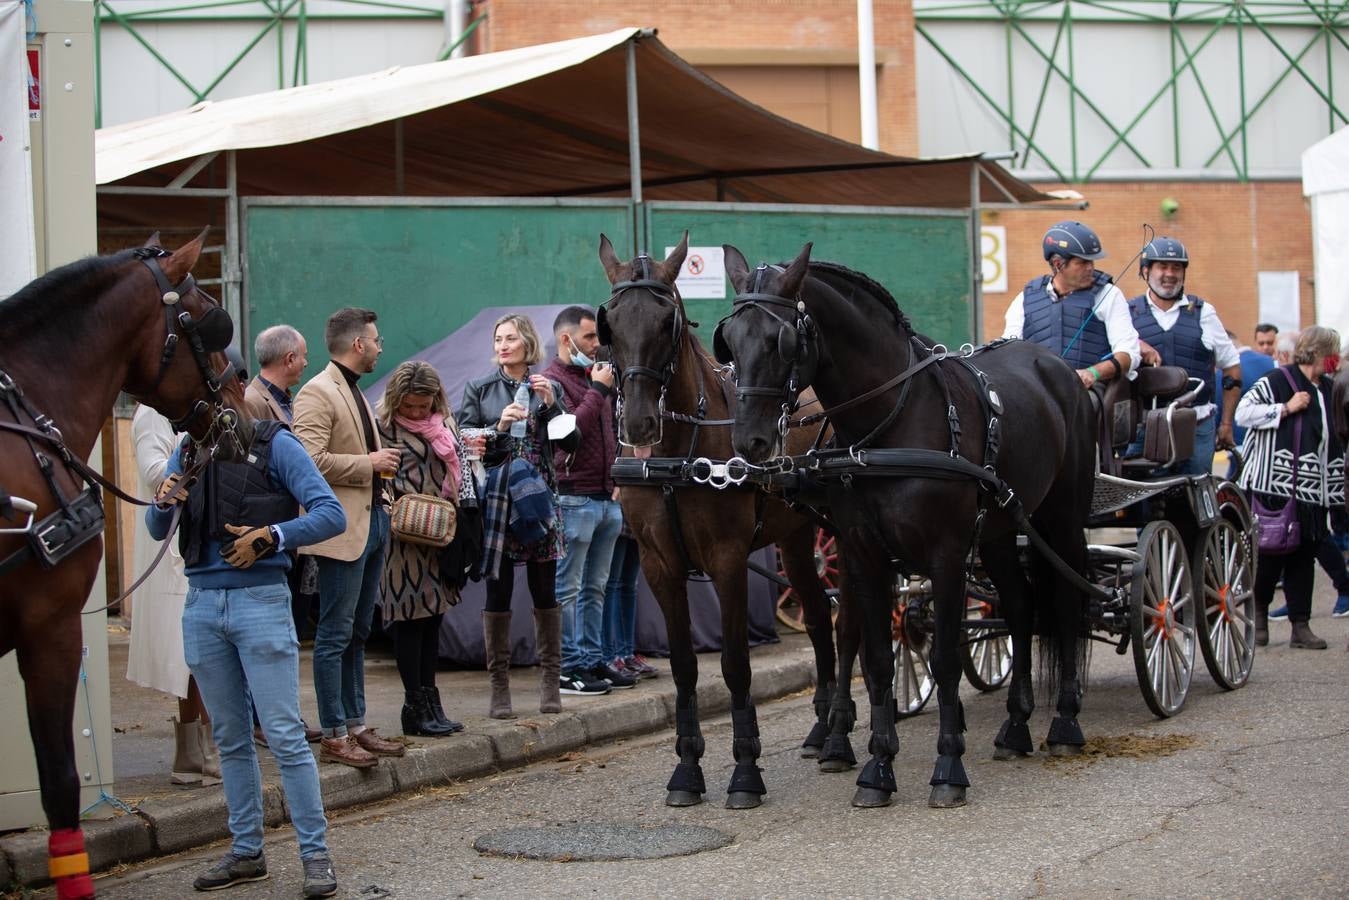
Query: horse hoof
x=683 y=798
x=1065 y=750
x=811 y=752
x=870 y=798
x=834 y=766
x=946 y=796
x=743 y=800
x=1009 y=753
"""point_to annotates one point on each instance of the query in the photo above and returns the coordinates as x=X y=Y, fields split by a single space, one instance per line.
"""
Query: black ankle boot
x=432 y=694
x=418 y=718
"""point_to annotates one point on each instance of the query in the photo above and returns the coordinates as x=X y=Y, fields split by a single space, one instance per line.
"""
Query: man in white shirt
x=1180 y=329
x=1076 y=311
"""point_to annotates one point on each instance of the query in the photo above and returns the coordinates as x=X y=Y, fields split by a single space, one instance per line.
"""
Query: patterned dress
x=410 y=587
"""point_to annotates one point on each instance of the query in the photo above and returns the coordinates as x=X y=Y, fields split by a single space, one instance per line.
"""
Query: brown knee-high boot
x=496 y=632
x=548 y=637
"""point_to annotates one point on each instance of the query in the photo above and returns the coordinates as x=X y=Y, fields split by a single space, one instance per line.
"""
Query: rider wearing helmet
x=1180 y=329
x=1076 y=311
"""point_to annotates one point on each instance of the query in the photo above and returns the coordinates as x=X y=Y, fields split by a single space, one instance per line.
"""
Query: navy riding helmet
x=1072 y=239
x=1163 y=249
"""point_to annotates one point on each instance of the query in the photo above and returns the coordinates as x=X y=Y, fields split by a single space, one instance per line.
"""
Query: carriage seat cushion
x=1161 y=383
x=1157 y=438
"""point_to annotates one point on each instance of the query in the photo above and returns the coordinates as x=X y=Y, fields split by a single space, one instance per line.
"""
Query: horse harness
x=80 y=519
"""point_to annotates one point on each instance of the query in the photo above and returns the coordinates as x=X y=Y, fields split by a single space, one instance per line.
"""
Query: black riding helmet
x=1163 y=249
x=1072 y=239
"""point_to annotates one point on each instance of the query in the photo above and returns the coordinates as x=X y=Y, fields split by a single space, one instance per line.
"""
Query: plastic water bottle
x=519 y=426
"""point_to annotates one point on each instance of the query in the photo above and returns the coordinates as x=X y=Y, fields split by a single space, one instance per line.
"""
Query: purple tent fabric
x=466 y=354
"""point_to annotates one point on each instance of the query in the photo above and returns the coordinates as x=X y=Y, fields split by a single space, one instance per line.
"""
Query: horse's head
x=180 y=367
x=773 y=343
x=644 y=325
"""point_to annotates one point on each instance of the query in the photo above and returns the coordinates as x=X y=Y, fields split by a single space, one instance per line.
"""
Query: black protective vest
x=239 y=493
x=1066 y=325
x=1183 y=345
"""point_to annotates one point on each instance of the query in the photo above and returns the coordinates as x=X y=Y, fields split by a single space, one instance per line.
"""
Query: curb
x=162 y=827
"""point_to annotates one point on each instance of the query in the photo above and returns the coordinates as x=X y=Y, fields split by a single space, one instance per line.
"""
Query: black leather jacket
x=486 y=397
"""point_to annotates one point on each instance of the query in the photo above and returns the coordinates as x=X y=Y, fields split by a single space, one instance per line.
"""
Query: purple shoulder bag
x=1280 y=532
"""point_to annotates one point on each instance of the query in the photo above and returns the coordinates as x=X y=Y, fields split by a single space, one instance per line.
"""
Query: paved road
x=1241 y=794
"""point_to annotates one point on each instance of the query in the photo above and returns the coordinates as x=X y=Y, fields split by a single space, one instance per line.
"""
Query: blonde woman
x=489 y=403
x=414 y=418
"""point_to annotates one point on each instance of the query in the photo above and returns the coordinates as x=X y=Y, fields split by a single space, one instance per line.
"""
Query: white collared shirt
x=1112 y=309
x=1212 y=334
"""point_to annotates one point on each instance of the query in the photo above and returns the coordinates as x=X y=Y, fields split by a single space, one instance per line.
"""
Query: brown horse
x=667 y=380
x=132 y=321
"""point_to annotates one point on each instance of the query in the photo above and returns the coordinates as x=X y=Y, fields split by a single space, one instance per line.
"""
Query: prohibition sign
x=696 y=265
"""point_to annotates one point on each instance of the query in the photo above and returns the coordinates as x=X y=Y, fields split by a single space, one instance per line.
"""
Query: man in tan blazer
x=337 y=427
x=281 y=354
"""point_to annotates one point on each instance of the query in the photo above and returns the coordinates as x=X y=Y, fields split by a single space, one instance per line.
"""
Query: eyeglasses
x=378 y=340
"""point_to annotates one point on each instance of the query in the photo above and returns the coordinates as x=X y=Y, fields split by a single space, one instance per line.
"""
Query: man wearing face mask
x=591 y=517
x=1179 y=329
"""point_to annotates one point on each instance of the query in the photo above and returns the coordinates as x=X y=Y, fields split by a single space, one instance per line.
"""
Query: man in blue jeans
x=336 y=426
x=591 y=516
x=239 y=637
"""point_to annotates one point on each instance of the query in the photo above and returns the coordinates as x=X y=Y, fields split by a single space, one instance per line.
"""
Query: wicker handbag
x=423 y=519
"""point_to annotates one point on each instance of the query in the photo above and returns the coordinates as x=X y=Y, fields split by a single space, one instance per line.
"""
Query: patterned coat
x=1268 y=448
x=410 y=587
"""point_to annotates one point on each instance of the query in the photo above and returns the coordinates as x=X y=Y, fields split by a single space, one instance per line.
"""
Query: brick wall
x=1231 y=230
x=734 y=25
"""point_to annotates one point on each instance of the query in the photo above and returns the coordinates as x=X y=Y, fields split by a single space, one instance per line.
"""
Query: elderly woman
x=414 y=417
x=1293 y=456
x=490 y=404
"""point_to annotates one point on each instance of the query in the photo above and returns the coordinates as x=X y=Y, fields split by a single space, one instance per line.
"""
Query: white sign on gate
x=993 y=250
x=703 y=276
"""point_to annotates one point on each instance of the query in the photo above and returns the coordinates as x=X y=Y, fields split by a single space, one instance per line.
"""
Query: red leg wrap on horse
x=68 y=864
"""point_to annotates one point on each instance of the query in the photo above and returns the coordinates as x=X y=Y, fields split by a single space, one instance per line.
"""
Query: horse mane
x=64 y=291
x=877 y=290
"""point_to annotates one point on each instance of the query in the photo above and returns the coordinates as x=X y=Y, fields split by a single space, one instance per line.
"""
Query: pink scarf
x=441 y=440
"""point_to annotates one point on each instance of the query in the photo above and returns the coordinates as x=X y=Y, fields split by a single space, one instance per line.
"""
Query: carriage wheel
x=1227 y=629
x=1162 y=618
x=914 y=683
x=985 y=653
x=826 y=567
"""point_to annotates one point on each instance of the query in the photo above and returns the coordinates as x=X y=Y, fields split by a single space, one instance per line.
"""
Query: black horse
x=668 y=384
x=882 y=386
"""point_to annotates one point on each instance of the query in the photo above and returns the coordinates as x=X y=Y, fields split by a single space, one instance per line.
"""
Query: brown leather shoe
x=378 y=745
x=345 y=750
x=311 y=735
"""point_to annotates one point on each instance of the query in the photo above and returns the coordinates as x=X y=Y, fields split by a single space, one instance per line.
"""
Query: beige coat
x=328 y=424
x=261 y=404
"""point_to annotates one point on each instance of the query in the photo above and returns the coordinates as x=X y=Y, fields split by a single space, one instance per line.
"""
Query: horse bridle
x=797 y=344
x=209 y=334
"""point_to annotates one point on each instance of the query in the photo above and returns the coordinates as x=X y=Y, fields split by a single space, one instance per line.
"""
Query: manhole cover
x=588 y=842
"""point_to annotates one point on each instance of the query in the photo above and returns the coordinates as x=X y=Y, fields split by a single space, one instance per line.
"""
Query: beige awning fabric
x=548 y=120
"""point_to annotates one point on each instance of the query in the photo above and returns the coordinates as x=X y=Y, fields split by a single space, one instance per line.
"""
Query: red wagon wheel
x=826 y=568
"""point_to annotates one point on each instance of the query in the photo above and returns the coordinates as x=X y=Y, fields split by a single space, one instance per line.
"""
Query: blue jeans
x=347 y=595
x=620 y=600
x=591 y=527
x=236 y=641
x=1205 y=443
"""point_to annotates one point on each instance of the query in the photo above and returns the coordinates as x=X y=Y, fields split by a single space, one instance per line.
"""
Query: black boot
x=432 y=694
x=417 y=716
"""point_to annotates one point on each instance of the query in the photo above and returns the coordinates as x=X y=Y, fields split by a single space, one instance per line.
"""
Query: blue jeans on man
x=620 y=601
x=237 y=642
x=591 y=526
x=348 y=591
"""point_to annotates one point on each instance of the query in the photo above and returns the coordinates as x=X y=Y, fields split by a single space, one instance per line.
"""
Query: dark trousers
x=542 y=580
x=1297 y=569
x=1332 y=562
x=416 y=646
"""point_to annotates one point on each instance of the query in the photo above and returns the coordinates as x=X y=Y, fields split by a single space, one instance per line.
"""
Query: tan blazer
x=328 y=424
x=261 y=404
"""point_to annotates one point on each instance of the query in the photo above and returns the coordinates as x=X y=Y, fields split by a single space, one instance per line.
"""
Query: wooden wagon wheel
x=826 y=568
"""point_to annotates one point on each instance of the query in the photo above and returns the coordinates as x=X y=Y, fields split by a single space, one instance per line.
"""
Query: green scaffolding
x=1301 y=27
x=286 y=22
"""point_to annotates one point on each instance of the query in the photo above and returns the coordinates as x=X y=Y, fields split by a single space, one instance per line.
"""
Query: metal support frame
x=635 y=149
x=1324 y=23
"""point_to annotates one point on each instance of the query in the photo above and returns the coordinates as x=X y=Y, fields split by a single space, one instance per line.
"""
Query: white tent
x=1325 y=179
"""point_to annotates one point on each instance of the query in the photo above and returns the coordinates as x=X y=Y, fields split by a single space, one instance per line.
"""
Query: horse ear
x=796 y=272
x=675 y=261
x=736 y=266
x=152 y=240
x=184 y=258
x=608 y=258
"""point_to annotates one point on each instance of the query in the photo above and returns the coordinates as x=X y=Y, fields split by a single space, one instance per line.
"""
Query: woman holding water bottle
x=512 y=399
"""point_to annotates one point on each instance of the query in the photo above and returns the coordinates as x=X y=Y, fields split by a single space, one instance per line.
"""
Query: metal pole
x=866 y=73
x=454 y=26
x=230 y=269
x=977 y=258
x=635 y=150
